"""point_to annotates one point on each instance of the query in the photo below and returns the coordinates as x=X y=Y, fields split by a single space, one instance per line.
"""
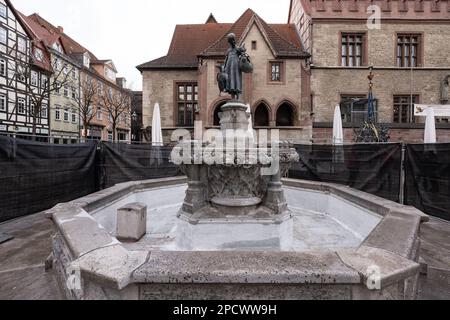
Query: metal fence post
x=403 y=175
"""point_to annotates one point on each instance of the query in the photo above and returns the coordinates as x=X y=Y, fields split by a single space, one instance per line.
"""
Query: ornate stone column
x=196 y=194
x=275 y=199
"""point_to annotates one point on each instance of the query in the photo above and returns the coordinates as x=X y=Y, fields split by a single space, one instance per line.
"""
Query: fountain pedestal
x=243 y=182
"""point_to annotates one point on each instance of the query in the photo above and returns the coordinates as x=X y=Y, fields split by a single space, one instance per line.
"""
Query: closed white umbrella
x=250 y=124
x=157 y=137
x=338 y=131
x=430 y=127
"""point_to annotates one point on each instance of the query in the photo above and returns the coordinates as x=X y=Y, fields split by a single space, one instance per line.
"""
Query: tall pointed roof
x=279 y=45
x=211 y=19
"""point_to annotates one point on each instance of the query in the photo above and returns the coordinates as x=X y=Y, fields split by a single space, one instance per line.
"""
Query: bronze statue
x=236 y=62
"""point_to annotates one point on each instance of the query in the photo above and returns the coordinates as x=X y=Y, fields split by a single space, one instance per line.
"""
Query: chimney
x=60 y=29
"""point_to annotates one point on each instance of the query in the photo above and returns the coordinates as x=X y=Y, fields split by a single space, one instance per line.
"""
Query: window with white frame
x=66 y=90
x=3 y=11
x=99 y=113
x=57 y=64
x=34 y=78
x=57 y=87
x=2 y=102
x=74 y=73
x=66 y=115
x=74 y=92
x=66 y=69
x=58 y=112
x=3 y=35
x=21 y=45
x=39 y=54
x=44 y=82
x=21 y=106
x=44 y=111
x=74 y=116
x=3 y=67
x=32 y=107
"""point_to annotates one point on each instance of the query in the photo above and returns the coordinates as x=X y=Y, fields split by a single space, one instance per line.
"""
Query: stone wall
x=382 y=43
x=329 y=84
x=159 y=87
x=330 y=80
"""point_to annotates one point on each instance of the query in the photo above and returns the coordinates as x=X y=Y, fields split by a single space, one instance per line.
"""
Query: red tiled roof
x=45 y=64
x=187 y=43
x=49 y=34
x=70 y=46
x=191 y=41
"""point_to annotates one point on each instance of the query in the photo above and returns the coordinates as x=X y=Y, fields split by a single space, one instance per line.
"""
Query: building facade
x=408 y=52
x=59 y=66
x=106 y=110
x=64 y=117
x=137 y=125
x=184 y=82
x=24 y=71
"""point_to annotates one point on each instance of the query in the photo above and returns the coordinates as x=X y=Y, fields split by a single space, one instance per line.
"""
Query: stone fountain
x=231 y=231
x=235 y=179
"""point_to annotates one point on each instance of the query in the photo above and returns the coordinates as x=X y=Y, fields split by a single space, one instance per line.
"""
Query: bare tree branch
x=116 y=103
x=40 y=88
x=84 y=102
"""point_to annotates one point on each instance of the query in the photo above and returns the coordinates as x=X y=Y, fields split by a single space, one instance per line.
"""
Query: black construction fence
x=427 y=171
x=35 y=176
x=373 y=168
x=120 y=162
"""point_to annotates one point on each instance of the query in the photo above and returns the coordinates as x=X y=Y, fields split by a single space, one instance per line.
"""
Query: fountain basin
x=334 y=242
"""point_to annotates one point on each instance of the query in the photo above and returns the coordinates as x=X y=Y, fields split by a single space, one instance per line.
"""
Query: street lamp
x=370 y=102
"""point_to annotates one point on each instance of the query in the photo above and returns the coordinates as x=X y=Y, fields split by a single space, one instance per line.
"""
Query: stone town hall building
x=184 y=82
x=410 y=54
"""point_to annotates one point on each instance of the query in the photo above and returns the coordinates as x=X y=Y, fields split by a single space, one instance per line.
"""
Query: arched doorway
x=217 y=110
x=262 y=118
x=285 y=115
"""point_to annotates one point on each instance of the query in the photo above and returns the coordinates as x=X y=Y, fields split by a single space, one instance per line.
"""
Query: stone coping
x=392 y=247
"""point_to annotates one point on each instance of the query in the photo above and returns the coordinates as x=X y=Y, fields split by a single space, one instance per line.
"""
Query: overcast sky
x=136 y=31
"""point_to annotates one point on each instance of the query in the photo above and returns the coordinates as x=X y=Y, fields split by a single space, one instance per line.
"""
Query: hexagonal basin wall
x=320 y=221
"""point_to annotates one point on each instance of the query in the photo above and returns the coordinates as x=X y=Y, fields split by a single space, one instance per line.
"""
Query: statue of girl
x=232 y=72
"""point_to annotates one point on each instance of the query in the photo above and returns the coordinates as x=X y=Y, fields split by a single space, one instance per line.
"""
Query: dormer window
x=110 y=74
x=58 y=47
x=86 y=60
x=39 y=54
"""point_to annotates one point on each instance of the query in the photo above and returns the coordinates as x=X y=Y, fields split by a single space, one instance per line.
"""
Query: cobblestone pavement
x=22 y=274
